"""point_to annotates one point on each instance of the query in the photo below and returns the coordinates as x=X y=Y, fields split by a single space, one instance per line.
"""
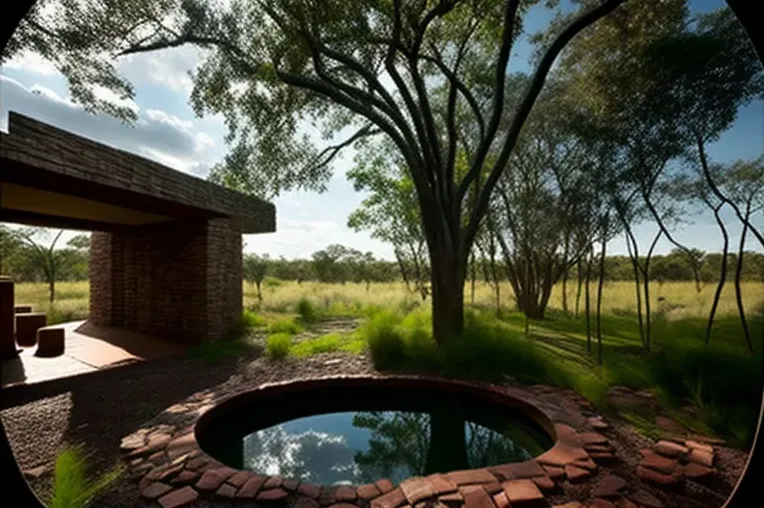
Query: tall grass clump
x=307 y=310
x=288 y=326
x=72 y=487
x=278 y=345
x=251 y=319
x=385 y=342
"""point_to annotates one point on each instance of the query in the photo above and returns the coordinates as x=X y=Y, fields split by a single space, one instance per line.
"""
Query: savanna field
x=713 y=389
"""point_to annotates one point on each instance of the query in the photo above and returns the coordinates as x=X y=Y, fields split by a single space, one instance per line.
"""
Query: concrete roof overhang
x=51 y=177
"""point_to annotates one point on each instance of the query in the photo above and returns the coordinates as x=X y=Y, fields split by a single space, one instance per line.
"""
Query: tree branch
x=524 y=110
x=497 y=107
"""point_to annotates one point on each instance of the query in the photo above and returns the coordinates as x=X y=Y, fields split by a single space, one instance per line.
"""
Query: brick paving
x=584 y=459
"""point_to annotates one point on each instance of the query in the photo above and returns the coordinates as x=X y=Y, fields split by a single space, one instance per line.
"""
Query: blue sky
x=169 y=132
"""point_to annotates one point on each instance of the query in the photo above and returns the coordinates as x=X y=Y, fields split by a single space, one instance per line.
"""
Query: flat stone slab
x=155 y=490
x=561 y=454
x=544 y=482
x=522 y=491
x=644 y=498
x=478 y=498
x=670 y=449
x=210 y=480
x=702 y=457
x=609 y=486
x=250 y=489
x=658 y=462
x=366 y=492
x=657 y=478
x=440 y=485
x=180 y=497
x=392 y=499
x=470 y=476
x=384 y=485
x=272 y=495
x=309 y=490
x=697 y=471
x=343 y=493
x=576 y=474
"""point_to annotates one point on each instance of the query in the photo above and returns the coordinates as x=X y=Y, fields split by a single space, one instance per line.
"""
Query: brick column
x=7 y=341
x=224 y=276
x=178 y=281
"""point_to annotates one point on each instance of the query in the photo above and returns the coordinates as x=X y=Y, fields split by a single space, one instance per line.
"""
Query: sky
x=168 y=132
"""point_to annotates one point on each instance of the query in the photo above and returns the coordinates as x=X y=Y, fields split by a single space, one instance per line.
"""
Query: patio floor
x=87 y=348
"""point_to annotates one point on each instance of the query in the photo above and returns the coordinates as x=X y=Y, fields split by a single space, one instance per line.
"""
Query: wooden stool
x=27 y=325
x=50 y=341
x=7 y=344
x=20 y=309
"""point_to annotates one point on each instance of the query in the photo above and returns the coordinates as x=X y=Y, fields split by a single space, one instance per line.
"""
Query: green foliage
x=328 y=343
x=254 y=267
x=285 y=325
x=272 y=282
x=72 y=487
x=278 y=345
x=307 y=311
x=251 y=319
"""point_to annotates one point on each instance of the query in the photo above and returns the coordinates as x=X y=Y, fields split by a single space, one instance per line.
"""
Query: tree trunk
x=579 y=283
x=738 y=271
x=447 y=297
x=722 y=275
x=259 y=292
x=565 y=276
x=472 y=279
x=565 y=292
x=646 y=284
x=599 y=300
x=587 y=305
x=634 y=257
x=52 y=288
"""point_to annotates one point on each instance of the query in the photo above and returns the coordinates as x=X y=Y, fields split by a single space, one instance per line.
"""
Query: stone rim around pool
x=175 y=471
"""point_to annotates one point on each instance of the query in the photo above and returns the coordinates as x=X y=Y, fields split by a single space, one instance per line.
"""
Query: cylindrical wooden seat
x=27 y=325
x=21 y=308
x=50 y=341
x=7 y=344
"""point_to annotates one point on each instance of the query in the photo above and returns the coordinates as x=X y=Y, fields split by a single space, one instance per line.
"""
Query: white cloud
x=33 y=63
x=161 y=136
x=169 y=67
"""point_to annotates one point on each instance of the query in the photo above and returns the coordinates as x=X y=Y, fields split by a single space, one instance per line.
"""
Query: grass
x=287 y=325
x=722 y=383
x=72 y=487
x=278 y=345
x=680 y=300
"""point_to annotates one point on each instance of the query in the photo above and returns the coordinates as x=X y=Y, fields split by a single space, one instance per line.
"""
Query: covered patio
x=165 y=257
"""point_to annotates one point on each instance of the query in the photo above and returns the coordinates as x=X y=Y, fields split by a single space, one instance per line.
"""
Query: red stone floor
x=87 y=348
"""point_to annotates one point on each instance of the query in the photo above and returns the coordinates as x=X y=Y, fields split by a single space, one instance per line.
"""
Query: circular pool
x=352 y=432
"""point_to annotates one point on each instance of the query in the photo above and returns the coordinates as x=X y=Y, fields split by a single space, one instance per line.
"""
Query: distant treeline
x=339 y=264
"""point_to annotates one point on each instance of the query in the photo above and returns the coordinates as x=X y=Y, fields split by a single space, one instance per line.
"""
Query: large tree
x=362 y=68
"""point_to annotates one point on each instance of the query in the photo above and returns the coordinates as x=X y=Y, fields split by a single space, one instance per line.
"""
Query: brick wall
x=179 y=281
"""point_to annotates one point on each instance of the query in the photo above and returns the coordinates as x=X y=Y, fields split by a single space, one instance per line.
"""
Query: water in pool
x=363 y=446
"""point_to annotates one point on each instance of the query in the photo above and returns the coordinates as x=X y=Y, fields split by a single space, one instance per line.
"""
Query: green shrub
x=306 y=310
x=278 y=345
x=272 y=282
x=72 y=488
x=328 y=343
x=285 y=325
x=386 y=345
x=252 y=319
